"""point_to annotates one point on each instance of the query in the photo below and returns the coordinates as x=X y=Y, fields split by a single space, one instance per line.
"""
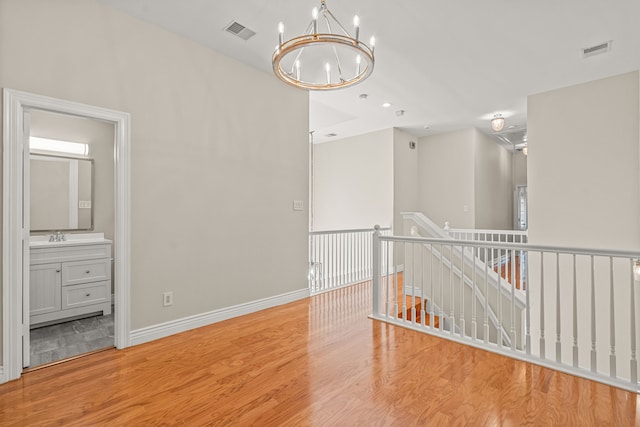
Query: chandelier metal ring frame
x=291 y=52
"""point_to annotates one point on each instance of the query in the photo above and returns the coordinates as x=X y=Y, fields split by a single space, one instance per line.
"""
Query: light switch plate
x=298 y=205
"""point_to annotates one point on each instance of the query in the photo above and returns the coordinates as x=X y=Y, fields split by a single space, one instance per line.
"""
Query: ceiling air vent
x=239 y=30
x=597 y=49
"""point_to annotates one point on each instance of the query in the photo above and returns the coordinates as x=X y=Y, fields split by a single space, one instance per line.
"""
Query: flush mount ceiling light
x=497 y=123
x=320 y=59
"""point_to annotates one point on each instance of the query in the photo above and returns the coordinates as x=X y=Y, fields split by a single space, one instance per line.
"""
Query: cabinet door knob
x=88 y=271
x=87 y=295
x=58 y=271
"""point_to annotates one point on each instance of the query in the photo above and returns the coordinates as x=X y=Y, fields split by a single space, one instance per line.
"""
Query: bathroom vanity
x=69 y=278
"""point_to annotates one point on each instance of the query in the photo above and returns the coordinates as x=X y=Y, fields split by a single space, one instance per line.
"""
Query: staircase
x=412 y=302
x=418 y=310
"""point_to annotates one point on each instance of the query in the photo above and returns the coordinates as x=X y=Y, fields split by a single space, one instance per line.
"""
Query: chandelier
x=320 y=59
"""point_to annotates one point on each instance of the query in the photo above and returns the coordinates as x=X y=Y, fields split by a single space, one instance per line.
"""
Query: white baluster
x=441 y=295
x=632 y=320
x=593 y=319
x=413 y=281
x=386 y=278
x=423 y=311
x=486 y=297
x=461 y=315
x=431 y=255
x=514 y=282
x=575 y=314
x=558 y=318
x=499 y=299
x=474 y=278
x=395 y=281
x=542 y=340
x=452 y=311
x=612 y=323
x=375 y=250
x=527 y=311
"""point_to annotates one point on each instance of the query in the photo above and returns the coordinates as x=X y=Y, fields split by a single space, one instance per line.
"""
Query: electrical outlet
x=167 y=299
x=298 y=205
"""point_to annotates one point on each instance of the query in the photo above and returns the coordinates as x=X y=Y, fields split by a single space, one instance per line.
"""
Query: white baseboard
x=150 y=333
x=2 y=377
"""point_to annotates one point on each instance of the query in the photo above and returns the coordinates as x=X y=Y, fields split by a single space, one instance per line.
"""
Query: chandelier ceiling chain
x=306 y=61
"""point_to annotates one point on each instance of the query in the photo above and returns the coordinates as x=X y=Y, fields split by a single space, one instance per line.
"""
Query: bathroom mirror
x=61 y=193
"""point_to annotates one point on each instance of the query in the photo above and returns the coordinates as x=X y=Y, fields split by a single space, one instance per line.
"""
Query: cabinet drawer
x=67 y=253
x=85 y=294
x=86 y=271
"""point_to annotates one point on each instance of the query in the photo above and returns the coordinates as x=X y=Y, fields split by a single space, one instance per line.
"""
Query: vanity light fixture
x=497 y=123
x=68 y=147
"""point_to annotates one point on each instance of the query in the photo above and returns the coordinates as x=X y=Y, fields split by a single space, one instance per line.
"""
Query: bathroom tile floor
x=68 y=339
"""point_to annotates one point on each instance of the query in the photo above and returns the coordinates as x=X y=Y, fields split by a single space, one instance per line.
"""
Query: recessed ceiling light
x=400 y=113
x=331 y=135
x=386 y=104
x=363 y=96
x=426 y=127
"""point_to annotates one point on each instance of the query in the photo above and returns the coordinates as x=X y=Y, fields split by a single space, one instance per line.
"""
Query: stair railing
x=487 y=235
x=340 y=258
x=578 y=316
x=507 y=236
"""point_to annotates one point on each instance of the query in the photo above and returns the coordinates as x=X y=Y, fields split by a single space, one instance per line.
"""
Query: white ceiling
x=449 y=64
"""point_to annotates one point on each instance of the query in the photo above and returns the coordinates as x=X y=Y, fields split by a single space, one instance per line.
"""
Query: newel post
x=376 y=270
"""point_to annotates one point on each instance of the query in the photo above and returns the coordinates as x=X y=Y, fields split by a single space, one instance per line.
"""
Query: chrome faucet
x=58 y=237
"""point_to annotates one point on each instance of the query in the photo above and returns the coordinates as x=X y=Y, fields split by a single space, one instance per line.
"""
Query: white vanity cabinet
x=69 y=279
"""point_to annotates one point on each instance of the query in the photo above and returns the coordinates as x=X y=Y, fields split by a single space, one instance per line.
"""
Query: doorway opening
x=17 y=228
x=68 y=185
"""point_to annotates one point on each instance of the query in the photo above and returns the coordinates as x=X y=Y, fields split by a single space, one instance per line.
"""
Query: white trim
x=2 y=377
x=162 y=330
x=15 y=104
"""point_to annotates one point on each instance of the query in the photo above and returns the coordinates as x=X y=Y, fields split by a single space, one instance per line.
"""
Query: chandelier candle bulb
x=372 y=42
x=358 y=61
x=297 y=69
x=328 y=68
x=356 y=24
x=280 y=33
x=314 y=14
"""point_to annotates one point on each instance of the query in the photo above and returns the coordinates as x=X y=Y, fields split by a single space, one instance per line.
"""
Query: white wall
x=492 y=184
x=405 y=178
x=219 y=151
x=584 y=191
x=519 y=169
x=353 y=182
x=445 y=176
x=583 y=165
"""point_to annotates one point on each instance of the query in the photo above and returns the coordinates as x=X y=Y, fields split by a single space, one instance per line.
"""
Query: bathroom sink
x=71 y=240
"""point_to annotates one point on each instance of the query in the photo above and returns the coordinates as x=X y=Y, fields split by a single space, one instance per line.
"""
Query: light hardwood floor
x=316 y=362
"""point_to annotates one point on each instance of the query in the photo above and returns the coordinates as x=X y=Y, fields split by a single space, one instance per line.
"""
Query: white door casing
x=15 y=257
x=26 y=228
